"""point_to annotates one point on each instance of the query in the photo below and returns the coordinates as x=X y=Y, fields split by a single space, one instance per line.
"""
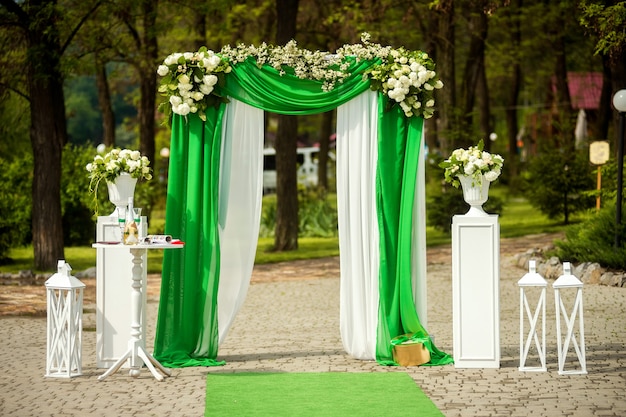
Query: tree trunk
x=148 y=79
x=564 y=112
x=484 y=108
x=446 y=69
x=199 y=28
x=48 y=134
x=618 y=82
x=515 y=86
x=286 y=233
x=474 y=68
x=599 y=127
x=104 y=100
x=322 y=161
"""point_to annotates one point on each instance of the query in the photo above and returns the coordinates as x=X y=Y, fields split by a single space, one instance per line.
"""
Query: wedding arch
x=216 y=103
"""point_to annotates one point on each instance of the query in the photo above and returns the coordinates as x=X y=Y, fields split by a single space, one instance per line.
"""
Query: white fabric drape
x=357 y=154
x=418 y=260
x=241 y=184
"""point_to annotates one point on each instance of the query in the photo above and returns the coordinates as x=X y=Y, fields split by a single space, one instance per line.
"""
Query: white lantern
x=565 y=282
x=532 y=280
x=65 y=323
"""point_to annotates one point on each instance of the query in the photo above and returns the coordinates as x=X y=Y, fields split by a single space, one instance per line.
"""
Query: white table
x=113 y=274
x=136 y=352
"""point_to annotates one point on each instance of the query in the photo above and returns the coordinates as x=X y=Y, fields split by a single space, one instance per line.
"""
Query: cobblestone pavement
x=290 y=323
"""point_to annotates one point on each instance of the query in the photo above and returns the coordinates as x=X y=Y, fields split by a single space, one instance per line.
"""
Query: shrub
x=593 y=241
x=556 y=183
x=15 y=204
x=444 y=205
x=317 y=217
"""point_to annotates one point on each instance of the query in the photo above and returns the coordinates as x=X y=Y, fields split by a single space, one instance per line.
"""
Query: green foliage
x=78 y=223
x=84 y=118
x=593 y=241
x=317 y=216
x=449 y=201
x=15 y=204
x=608 y=24
x=14 y=125
x=556 y=182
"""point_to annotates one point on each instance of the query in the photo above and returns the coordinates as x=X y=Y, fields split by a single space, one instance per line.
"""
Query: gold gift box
x=410 y=353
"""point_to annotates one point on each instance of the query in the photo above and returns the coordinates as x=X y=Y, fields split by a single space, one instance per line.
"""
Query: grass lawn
x=518 y=219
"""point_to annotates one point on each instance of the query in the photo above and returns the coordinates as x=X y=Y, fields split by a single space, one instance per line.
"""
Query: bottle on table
x=131 y=231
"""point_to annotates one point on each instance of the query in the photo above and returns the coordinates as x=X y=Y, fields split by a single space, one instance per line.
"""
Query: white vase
x=475 y=193
x=121 y=189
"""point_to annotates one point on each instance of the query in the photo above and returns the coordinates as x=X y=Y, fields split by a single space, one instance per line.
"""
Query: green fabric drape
x=187 y=332
x=398 y=158
x=264 y=88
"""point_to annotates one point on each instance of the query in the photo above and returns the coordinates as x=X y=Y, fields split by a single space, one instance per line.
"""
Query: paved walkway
x=292 y=325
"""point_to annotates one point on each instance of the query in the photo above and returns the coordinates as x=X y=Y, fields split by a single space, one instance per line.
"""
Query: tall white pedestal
x=113 y=303
x=476 y=291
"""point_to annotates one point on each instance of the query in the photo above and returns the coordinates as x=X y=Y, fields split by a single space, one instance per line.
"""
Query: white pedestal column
x=476 y=291
x=113 y=303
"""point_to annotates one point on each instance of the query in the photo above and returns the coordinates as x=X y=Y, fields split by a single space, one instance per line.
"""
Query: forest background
x=76 y=74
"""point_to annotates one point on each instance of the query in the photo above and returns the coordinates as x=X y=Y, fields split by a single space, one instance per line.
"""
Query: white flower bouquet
x=114 y=163
x=473 y=162
x=408 y=78
x=189 y=81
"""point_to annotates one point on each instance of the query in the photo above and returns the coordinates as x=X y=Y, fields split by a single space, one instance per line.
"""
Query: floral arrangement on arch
x=190 y=80
x=473 y=162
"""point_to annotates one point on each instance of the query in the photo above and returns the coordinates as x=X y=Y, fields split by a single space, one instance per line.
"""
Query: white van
x=307 y=167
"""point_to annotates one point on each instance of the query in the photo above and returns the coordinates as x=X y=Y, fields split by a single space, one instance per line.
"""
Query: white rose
x=135 y=155
x=430 y=103
x=491 y=175
x=210 y=80
x=125 y=154
x=183 y=87
x=172 y=59
x=215 y=60
x=197 y=96
x=205 y=89
x=163 y=70
x=183 y=109
x=188 y=55
x=438 y=84
x=175 y=101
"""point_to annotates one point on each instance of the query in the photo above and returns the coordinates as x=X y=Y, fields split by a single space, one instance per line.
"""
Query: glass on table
x=121 y=221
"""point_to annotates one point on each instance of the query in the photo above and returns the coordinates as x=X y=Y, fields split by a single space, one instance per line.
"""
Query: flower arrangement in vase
x=120 y=169
x=473 y=162
x=474 y=169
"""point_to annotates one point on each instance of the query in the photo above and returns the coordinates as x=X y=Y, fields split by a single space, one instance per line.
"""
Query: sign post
x=598 y=155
